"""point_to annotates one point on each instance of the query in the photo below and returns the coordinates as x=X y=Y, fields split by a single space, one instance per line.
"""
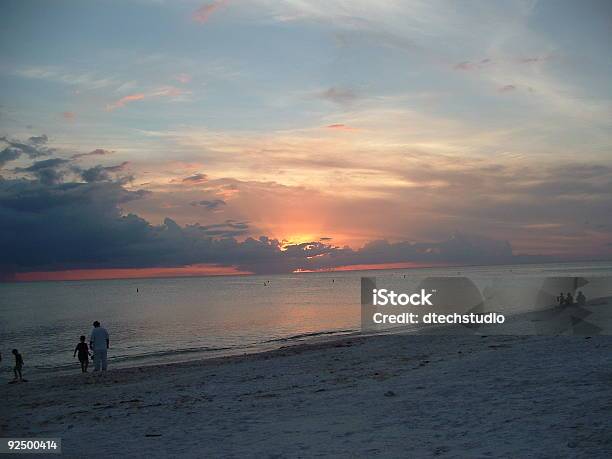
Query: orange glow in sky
x=366 y=267
x=95 y=274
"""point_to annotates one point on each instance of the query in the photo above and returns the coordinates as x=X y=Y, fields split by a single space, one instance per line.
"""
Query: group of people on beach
x=99 y=343
x=97 y=350
x=568 y=299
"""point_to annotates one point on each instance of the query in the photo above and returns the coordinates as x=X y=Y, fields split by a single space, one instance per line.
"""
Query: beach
x=358 y=396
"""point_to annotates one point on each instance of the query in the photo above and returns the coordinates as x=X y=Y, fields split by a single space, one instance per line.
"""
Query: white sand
x=387 y=396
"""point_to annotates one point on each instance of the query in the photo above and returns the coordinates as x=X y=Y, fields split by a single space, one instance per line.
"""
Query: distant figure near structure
x=99 y=343
x=561 y=299
x=580 y=299
x=569 y=299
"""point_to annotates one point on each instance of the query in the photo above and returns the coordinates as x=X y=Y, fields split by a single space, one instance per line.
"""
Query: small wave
x=140 y=356
x=308 y=335
x=170 y=353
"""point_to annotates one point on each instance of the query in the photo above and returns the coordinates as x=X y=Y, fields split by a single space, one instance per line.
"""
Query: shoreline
x=379 y=395
x=131 y=362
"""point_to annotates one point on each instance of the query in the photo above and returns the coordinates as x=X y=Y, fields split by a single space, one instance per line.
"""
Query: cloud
x=45 y=164
x=167 y=91
x=38 y=140
x=340 y=96
x=70 y=116
x=456 y=206
x=183 y=78
x=163 y=91
x=59 y=226
x=195 y=178
x=229 y=228
x=341 y=127
x=125 y=100
x=55 y=74
x=486 y=62
x=54 y=224
x=466 y=65
x=9 y=154
x=533 y=60
x=477 y=65
x=53 y=171
x=203 y=14
x=34 y=147
x=209 y=204
x=103 y=173
x=47 y=171
x=96 y=152
x=507 y=88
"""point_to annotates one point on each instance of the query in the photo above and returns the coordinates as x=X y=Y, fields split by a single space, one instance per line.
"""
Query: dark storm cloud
x=102 y=173
x=47 y=171
x=459 y=249
x=45 y=164
x=229 y=228
x=60 y=216
x=9 y=154
x=213 y=204
x=34 y=147
x=39 y=140
x=56 y=226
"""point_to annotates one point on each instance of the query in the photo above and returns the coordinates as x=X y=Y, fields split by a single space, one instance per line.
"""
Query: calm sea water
x=170 y=320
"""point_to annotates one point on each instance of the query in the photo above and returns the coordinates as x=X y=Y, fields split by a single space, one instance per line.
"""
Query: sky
x=152 y=137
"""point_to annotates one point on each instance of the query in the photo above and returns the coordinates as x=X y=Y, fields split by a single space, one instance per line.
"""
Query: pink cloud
x=125 y=100
x=68 y=116
x=341 y=127
x=203 y=13
x=164 y=91
x=183 y=78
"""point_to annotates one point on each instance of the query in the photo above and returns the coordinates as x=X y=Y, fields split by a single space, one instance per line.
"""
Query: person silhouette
x=580 y=299
x=561 y=299
x=99 y=343
x=18 y=365
x=83 y=351
x=569 y=299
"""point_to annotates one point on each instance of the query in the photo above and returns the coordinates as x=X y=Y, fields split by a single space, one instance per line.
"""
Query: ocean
x=152 y=321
